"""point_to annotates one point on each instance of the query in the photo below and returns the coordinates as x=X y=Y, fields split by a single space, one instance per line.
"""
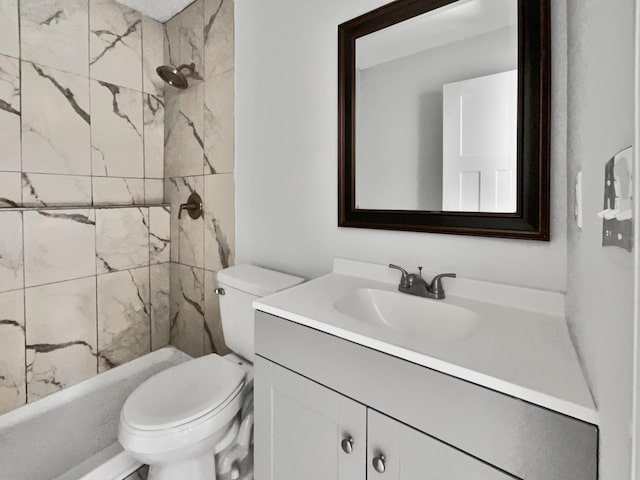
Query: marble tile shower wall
x=199 y=157
x=81 y=291
x=81 y=108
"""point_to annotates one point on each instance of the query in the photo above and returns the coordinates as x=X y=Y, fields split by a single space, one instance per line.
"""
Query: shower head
x=174 y=76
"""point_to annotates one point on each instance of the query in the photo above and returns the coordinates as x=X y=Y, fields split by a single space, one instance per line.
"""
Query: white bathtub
x=72 y=434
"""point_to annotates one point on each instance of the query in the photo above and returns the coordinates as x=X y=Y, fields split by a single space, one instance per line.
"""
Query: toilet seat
x=204 y=387
x=166 y=432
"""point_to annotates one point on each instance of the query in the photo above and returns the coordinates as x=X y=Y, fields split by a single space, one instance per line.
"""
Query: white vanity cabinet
x=315 y=391
x=300 y=427
x=305 y=430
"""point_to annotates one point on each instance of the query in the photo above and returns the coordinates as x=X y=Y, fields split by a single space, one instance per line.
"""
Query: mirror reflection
x=436 y=111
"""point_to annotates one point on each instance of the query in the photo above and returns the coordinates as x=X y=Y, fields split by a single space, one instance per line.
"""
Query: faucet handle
x=436 y=284
x=405 y=274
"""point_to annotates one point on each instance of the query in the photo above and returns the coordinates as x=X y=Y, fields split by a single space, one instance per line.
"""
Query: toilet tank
x=242 y=285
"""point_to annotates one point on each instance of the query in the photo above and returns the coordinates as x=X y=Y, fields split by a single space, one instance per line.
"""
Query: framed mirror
x=444 y=118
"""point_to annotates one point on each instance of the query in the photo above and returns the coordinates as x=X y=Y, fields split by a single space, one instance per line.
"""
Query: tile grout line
x=24 y=273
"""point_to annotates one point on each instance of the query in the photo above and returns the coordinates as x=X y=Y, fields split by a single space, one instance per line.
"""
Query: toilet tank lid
x=256 y=280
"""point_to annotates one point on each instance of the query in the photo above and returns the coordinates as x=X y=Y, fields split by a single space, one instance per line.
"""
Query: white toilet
x=178 y=420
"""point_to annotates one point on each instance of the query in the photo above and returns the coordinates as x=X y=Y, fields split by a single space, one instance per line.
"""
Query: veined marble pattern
x=74 y=319
x=55 y=190
x=58 y=245
x=153 y=191
x=213 y=333
x=219 y=123
x=124 y=318
x=9 y=28
x=219 y=221
x=122 y=239
x=218 y=37
x=160 y=306
x=184 y=127
x=116 y=131
x=115 y=44
x=159 y=234
x=184 y=42
x=187 y=309
x=152 y=56
x=187 y=234
x=12 y=352
x=118 y=191
x=11 y=251
x=55 y=33
x=61 y=335
x=153 y=137
x=55 y=121
x=10 y=189
x=9 y=111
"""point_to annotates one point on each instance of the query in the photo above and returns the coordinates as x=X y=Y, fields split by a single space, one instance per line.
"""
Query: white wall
x=286 y=158
x=600 y=280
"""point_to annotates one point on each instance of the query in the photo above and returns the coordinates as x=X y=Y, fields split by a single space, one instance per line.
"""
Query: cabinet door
x=300 y=427
x=411 y=455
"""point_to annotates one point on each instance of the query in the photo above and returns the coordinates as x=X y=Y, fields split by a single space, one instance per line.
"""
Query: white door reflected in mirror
x=480 y=144
x=436 y=111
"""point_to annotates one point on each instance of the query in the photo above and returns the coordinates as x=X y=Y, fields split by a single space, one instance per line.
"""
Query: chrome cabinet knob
x=347 y=445
x=220 y=291
x=378 y=464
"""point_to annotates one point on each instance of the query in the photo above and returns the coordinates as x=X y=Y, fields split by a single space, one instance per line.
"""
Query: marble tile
x=152 y=56
x=153 y=137
x=160 y=305
x=219 y=123
x=124 y=321
x=187 y=309
x=55 y=33
x=184 y=41
x=153 y=191
x=11 y=252
x=122 y=239
x=159 y=235
x=9 y=28
x=55 y=121
x=115 y=44
x=218 y=37
x=9 y=111
x=45 y=190
x=171 y=194
x=219 y=221
x=58 y=245
x=116 y=131
x=61 y=335
x=10 y=189
x=13 y=392
x=188 y=237
x=118 y=191
x=213 y=334
x=184 y=127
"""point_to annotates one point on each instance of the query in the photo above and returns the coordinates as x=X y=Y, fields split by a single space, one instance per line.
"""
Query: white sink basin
x=409 y=315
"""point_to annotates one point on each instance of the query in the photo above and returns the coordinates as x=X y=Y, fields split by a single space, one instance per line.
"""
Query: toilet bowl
x=180 y=419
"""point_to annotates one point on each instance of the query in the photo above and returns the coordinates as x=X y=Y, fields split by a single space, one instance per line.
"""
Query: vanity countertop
x=521 y=348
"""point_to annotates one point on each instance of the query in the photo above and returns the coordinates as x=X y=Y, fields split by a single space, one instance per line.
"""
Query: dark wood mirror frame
x=531 y=221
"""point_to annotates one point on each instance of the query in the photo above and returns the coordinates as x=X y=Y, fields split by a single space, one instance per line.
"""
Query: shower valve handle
x=193 y=206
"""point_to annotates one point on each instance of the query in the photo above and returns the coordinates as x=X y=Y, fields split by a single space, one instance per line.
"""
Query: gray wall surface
x=399 y=118
x=286 y=158
x=600 y=280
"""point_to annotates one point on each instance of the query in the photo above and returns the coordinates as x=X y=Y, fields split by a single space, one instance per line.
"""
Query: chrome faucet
x=414 y=284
